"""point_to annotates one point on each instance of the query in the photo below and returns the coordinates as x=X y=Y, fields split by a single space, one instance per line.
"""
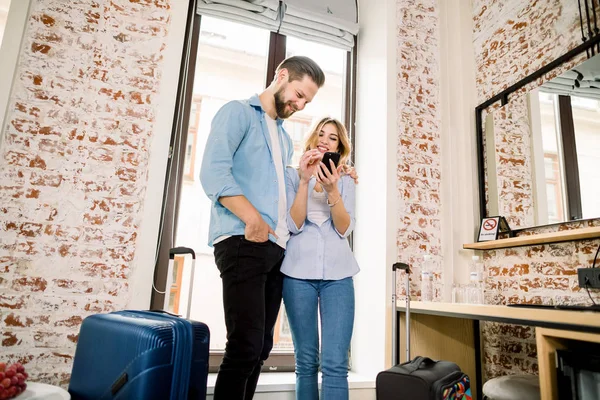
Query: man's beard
x=281 y=106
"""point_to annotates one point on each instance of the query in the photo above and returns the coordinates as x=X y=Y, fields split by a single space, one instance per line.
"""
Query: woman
x=319 y=264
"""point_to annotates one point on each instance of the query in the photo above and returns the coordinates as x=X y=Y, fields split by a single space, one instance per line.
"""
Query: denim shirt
x=319 y=252
x=238 y=161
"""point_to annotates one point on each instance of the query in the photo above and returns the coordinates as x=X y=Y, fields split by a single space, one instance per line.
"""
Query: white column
x=460 y=204
x=143 y=265
x=376 y=145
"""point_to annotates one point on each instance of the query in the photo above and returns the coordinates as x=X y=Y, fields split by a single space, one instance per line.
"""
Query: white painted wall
x=460 y=204
x=143 y=265
x=376 y=221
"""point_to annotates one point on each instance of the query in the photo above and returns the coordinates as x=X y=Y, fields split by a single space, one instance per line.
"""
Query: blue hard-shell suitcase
x=140 y=355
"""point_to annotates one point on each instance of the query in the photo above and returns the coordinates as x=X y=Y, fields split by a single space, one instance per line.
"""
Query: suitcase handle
x=401 y=265
x=418 y=363
x=181 y=250
x=406 y=268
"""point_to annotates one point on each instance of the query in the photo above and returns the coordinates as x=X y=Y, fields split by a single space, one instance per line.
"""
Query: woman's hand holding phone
x=329 y=179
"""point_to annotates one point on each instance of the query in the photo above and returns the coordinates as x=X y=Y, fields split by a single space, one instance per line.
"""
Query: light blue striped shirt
x=238 y=161
x=319 y=251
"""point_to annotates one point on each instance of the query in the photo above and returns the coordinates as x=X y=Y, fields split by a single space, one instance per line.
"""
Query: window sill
x=286 y=382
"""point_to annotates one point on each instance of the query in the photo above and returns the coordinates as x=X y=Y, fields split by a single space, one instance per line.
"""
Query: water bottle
x=427 y=278
x=475 y=291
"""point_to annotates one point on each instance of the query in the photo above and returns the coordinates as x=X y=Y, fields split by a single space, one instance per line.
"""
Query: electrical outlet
x=591 y=275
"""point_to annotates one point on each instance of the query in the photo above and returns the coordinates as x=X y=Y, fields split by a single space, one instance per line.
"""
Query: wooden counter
x=582 y=321
x=450 y=331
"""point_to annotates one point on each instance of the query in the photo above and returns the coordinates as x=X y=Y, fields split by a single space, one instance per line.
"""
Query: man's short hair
x=299 y=66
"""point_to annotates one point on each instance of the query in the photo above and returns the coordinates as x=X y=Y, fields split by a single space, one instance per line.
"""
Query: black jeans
x=252 y=286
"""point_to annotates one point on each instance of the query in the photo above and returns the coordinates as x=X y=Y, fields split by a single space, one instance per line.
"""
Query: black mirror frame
x=502 y=97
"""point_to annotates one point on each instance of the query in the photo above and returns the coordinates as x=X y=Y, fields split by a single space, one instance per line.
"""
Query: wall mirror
x=541 y=152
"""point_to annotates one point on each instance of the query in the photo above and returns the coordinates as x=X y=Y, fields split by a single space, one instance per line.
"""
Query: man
x=243 y=175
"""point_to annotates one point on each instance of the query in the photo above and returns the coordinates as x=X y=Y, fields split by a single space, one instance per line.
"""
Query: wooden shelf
x=542 y=238
x=549 y=317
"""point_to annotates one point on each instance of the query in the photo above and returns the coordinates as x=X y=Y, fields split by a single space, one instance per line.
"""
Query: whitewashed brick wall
x=73 y=169
x=513 y=39
x=419 y=120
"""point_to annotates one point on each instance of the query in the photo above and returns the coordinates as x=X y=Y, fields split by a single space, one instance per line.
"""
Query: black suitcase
x=420 y=378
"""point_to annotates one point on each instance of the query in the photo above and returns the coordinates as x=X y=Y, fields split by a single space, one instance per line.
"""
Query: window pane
x=172 y=307
x=549 y=122
x=553 y=193
x=329 y=101
x=231 y=65
x=586 y=120
x=549 y=168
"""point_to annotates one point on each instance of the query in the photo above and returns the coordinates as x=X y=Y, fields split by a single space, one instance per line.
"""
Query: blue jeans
x=335 y=301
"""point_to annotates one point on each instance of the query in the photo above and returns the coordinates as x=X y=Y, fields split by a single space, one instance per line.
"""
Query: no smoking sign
x=489 y=229
x=490 y=224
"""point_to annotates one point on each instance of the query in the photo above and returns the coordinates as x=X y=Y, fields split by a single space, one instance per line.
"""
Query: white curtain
x=259 y=13
x=582 y=81
x=331 y=22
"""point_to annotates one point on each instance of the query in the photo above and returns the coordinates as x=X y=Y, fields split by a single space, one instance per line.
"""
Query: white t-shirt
x=317 y=210
x=281 y=230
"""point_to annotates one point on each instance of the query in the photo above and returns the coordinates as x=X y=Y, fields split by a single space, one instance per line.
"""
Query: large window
x=235 y=61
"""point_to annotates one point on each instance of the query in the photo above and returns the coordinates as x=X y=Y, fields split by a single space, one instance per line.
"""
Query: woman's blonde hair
x=344 y=146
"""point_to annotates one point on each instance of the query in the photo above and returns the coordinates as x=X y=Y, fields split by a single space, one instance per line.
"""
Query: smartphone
x=331 y=156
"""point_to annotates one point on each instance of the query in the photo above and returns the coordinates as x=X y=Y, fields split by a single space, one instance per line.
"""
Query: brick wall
x=419 y=120
x=73 y=171
x=512 y=39
x=544 y=274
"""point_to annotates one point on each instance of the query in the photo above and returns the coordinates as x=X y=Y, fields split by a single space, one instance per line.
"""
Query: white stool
x=42 y=391
x=512 y=387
